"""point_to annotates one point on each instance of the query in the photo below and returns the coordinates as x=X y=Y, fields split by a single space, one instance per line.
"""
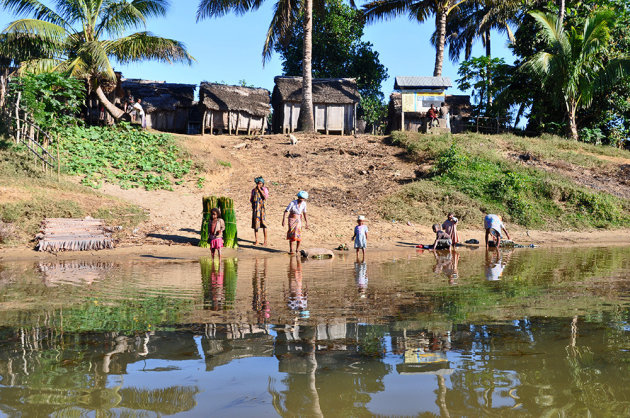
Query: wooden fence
x=21 y=128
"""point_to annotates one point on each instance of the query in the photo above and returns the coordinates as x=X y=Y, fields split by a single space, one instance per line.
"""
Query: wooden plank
x=203 y=123
x=327 y=119
x=238 y=120
x=211 y=122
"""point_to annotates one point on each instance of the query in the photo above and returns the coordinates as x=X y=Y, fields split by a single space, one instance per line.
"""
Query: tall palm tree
x=419 y=10
x=573 y=66
x=286 y=14
x=82 y=36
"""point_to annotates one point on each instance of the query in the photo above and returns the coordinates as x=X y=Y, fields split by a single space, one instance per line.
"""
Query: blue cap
x=302 y=194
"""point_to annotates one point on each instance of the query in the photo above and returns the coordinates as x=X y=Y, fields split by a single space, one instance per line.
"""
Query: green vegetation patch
x=123 y=155
x=28 y=195
x=470 y=176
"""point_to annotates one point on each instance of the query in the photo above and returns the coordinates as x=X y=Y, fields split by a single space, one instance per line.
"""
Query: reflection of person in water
x=448 y=264
x=360 y=275
x=216 y=288
x=260 y=304
x=495 y=264
x=298 y=298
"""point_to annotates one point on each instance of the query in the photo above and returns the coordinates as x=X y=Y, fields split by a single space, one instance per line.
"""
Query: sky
x=229 y=49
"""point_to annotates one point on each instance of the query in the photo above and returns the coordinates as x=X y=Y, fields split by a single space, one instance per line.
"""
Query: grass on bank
x=28 y=195
x=471 y=175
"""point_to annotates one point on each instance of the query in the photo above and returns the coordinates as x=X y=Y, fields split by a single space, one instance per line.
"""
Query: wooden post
x=249 y=125
x=326 y=118
x=354 y=120
x=58 y=159
x=17 y=118
x=211 y=122
x=291 y=119
x=315 y=117
x=229 y=123
x=402 y=120
x=238 y=120
x=203 y=123
x=343 y=120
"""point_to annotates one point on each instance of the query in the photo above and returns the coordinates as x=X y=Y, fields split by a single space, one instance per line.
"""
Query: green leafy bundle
x=230 y=276
x=229 y=216
x=208 y=203
x=123 y=155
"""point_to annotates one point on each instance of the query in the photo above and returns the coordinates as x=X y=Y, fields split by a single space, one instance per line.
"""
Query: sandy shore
x=188 y=252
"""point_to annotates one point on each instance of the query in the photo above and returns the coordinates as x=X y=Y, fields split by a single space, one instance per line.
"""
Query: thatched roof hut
x=235 y=108
x=334 y=104
x=167 y=105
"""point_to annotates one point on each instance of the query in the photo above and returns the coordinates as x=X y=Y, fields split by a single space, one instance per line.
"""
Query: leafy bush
x=54 y=99
x=124 y=156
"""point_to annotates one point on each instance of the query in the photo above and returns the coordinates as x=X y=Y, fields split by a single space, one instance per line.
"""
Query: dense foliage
x=608 y=118
x=123 y=155
x=471 y=176
x=338 y=51
x=53 y=99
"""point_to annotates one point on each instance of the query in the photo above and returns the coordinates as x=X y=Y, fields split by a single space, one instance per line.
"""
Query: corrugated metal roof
x=418 y=82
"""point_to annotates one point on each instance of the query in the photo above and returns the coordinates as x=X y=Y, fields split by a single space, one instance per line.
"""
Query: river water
x=528 y=332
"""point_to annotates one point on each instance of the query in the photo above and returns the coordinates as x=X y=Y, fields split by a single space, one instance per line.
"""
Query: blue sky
x=229 y=49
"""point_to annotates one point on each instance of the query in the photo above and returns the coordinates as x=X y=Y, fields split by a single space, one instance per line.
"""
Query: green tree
x=571 y=67
x=338 y=51
x=286 y=14
x=80 y=37
x=487 y=77
x=419 y=10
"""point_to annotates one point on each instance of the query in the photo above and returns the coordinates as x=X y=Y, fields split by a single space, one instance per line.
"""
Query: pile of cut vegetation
x=28 y=195
x=474 y=174
x=124 y=156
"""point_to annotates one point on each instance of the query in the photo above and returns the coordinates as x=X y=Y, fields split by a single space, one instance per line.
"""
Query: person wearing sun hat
x=258 y=199
x=296 y=210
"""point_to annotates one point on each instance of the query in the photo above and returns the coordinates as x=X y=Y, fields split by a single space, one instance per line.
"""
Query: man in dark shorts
x=442 y=239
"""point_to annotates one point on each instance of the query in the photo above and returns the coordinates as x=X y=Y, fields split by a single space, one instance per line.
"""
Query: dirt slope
x=345 y=176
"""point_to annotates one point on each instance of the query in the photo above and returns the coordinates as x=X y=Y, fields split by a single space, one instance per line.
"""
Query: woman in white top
x=296 y=210
x=140 y=112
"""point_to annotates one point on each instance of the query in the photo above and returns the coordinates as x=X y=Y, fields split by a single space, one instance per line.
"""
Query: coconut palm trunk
x=572 y=108
x=305 y=121
x=561 y=12
x=111 y=108
x=440 y=25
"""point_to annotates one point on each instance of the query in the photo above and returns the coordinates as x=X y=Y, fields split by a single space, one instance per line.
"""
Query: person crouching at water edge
x=217 y=226
x=296 y=210
x=443 y=240
x=258 y=199
x=360 y=236
x=494 y=225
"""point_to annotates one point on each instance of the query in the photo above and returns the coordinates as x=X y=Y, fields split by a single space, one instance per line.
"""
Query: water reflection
x=297 y=297
x=75 y=273
x=496 y=261
x=552 y=336
x=219 y=281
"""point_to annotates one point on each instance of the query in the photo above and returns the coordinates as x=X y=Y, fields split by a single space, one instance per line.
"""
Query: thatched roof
x=325 y=90
x=159 y=95
x=459 y=104
x=222 y=97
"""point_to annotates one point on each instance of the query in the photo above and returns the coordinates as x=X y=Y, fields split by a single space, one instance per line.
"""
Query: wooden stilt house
x=335 y=102
x=233 y=109
x=167 y=105
x=459 y=106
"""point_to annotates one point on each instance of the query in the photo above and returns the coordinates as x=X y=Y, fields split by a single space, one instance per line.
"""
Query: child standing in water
x=217 y=226
x=360 y=236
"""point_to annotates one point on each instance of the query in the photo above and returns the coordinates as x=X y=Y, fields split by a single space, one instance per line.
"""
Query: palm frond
x=616 y=70
x=145 y=46
x=151 y=8
x=41 y=29
x=285 y=14
x=38 y=66
x=33 y=8
x=218 y=8
x=92 y=57
x=73 y=11
x=540 y=65
x=386 y=9
x=551 y=31
x=119 y=16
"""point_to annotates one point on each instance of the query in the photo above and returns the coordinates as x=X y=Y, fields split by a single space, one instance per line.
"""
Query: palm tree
x=82 y=36
x=573 y=64
x=285 y=15
x=419 y=10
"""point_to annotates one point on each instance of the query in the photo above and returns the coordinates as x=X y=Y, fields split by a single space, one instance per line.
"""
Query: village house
x=168 y=106
x=335 y=102
x=233 y=109
x=412 y=98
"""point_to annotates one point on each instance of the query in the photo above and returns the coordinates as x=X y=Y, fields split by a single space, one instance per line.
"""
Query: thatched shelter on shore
x=167 y=105
x=459 y=108
x=233 y=109
x=335 y=102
